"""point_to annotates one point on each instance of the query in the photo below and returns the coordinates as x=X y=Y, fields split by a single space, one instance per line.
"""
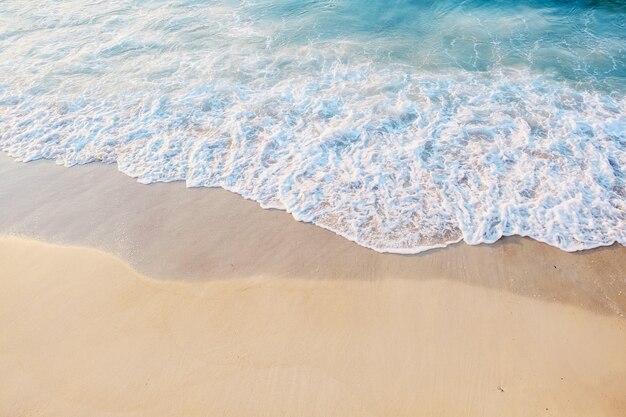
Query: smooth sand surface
x=85 y=335
x=239 y=311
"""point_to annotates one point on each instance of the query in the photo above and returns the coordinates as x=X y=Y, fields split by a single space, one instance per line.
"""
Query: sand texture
x=83 y=334
x=177 y=302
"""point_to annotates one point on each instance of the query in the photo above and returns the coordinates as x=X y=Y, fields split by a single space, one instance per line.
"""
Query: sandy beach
x=286 y=208
x=159 y=300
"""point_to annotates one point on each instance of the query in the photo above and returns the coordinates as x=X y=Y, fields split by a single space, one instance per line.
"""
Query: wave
x=395 y=161
x=401 y=127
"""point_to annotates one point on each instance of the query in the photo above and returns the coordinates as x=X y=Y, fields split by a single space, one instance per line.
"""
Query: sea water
x=401 y=125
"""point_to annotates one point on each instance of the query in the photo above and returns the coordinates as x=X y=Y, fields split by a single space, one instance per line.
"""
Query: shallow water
x=401 y=125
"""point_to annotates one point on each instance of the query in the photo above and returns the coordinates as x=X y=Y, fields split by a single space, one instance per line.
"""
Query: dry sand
x=255 y=314
x=85 y=335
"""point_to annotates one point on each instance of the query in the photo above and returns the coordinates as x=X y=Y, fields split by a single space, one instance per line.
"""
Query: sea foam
x=396 y=156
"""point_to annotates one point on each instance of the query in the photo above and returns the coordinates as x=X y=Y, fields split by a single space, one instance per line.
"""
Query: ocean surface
x=401 y=125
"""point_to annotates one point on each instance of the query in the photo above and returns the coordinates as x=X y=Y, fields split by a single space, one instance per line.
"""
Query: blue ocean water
x=401 y=125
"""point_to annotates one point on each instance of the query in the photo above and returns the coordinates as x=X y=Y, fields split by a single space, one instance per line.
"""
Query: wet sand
x=175 y=301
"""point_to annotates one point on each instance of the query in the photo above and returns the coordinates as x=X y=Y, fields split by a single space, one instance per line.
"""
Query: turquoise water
x=401 y=125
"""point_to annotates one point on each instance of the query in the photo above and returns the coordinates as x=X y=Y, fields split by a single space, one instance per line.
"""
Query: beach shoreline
x=312 y=208
x=152 y=300
x=168 y=231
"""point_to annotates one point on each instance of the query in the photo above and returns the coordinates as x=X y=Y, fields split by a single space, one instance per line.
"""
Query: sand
x=178 y=302
x=84 y=334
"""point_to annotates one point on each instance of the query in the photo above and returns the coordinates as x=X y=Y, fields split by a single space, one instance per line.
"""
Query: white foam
x=393 y=161
x=391 y=155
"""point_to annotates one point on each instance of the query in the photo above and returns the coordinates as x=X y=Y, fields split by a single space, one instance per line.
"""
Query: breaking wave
x=388 y=139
